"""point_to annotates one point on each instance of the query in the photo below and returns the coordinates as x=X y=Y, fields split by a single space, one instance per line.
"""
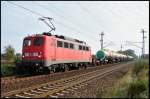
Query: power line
x=60 y=16
x=90 y=14
x=56 y=8
x=130 y=43
x=46 y=8
x=86 y=10
x=26 y=9
x=36 y=13
x=68 y=27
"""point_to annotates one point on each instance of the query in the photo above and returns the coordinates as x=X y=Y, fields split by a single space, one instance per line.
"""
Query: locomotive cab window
x=38 y=41
x=26 y=42
x=71 y=46
x=65 y=45
x=59 y=44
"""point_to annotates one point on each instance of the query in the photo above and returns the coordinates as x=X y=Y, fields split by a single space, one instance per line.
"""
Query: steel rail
x=50 y=88
x=8 y=79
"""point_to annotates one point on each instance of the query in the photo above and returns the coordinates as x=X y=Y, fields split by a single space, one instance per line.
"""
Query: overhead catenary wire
x=47 y=8
x=117 y=13
x=66 y=26
x=94 y=17
x=33 y=12
x=91 y=15
x=66 y=18
x=38 y=14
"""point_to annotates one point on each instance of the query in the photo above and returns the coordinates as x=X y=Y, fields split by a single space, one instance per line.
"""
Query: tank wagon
x=106 y=56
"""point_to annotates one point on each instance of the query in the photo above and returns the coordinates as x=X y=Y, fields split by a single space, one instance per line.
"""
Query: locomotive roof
x=59 y=36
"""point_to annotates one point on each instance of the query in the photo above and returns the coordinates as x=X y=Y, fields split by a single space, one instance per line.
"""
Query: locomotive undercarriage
x=38 y=67
x=31 y=67
x=67 y=66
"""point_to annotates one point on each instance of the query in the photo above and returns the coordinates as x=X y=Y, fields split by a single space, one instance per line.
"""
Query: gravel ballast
x=98 y=86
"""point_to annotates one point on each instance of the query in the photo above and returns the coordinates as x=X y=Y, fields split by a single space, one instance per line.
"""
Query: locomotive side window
x=26 y=42
x=71 y=46
x=38 y=41
x=83 y=47
x=80 y=47
x=65 y=44
x=59 y=44
x=87 y=49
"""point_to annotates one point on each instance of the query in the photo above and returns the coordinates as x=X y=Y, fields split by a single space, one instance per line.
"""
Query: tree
x=3 y=56
x=9 y=53
x=129 y=52
x=17 y=57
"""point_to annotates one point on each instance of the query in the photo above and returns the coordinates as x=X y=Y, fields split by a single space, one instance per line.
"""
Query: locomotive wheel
x=46 y=71
x=54 y=70
x=40 y=70
x=62 y=67
x=85 y=65
x=78 y=67
x=67 y=68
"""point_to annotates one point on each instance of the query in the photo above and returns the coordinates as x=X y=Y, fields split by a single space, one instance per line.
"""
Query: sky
x=120 y=21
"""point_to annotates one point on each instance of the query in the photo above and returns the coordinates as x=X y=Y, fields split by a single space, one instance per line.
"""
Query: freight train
x=45 y=53
x=107 y=56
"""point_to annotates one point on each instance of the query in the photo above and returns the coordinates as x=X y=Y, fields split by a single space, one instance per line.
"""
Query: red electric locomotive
x=46 y=52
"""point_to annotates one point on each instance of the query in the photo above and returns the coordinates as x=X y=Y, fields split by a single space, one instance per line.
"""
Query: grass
x=134 y=84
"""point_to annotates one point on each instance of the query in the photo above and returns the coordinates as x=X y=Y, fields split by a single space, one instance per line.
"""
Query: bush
x=128 y=86
x=139 y=66
x=136 y=88
x=17 y=60
x=7 y=70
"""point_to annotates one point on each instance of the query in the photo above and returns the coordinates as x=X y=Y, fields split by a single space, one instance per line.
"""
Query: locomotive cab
x=33 y=51
x=33 y=48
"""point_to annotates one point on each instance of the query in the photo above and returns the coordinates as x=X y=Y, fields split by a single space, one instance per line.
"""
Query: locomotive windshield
x=26 y=42
x=38 y=41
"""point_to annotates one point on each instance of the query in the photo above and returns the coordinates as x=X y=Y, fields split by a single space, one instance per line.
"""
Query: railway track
x=24 y=82
x=60 y=87
x=22 y=78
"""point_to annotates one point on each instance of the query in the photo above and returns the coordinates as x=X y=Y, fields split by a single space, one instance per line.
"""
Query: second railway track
x=61 y=86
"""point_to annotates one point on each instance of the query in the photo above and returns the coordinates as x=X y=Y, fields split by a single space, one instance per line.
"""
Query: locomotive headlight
x=36 y=64
x=39 y=54
x=22 y=55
